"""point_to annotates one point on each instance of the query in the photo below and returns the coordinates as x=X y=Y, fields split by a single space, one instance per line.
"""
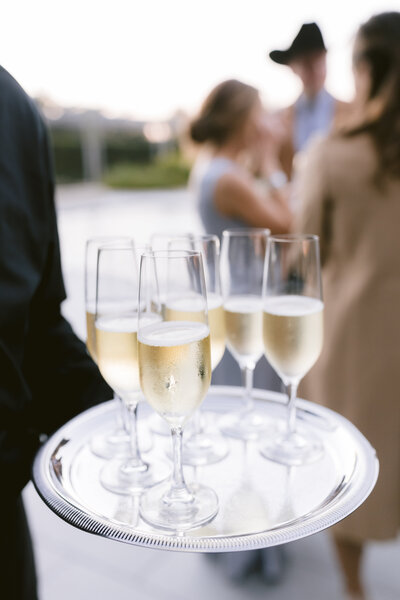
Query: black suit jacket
x=46 y=375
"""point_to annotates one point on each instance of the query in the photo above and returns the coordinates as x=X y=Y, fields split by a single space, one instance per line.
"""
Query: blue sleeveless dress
x=213 y=221
x=236 y=565
x=227 y=372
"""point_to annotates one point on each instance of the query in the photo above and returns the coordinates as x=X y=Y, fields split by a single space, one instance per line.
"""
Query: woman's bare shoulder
x=233 y=192
x=235 y=180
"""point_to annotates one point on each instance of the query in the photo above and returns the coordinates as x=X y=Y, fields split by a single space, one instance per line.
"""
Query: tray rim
x=80 y=516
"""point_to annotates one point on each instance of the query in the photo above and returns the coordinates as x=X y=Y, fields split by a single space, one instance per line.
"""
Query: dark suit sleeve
x=62 y=377
x=19 y=440
x=46 y=376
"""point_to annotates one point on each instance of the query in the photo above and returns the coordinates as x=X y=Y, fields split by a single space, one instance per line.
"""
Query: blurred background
x=117 y=83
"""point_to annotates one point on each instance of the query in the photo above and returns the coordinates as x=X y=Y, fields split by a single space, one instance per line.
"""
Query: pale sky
x=147 y=58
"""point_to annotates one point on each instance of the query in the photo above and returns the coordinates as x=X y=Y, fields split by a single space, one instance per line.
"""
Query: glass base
x=293 y=450
x=204 y=449
x=111 y=444
x=193 y=510
x=244 y=425
x=119 y=477
x=127 y=510
x=158 y=425
x=116 y=443
x=145 y=437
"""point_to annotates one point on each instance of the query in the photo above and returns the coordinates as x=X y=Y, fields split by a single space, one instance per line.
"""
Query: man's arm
x=62 y=377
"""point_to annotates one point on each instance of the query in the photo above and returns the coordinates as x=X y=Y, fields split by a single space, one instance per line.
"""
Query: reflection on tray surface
x=56 y=462
x=256 y=495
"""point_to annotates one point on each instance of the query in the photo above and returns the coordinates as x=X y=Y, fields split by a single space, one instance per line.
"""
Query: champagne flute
x=242 y=266
x=160 y=241
x=203 y=447
x=114 y=442
x=116 y=323
x=293 y=334
x=175 y=374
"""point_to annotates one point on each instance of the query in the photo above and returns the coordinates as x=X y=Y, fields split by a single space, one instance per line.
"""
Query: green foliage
x=123 y=148
x=131 y=160
x=165 y=172
x=67 y=155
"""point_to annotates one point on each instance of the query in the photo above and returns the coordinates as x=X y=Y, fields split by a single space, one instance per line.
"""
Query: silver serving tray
x=262 y=503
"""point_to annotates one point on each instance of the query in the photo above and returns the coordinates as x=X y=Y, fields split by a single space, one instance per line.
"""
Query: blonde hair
x=223 y=112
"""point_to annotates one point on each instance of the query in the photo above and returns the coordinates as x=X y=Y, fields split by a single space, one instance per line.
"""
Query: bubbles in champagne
x=243 y=317
x=293 y=334
x=116 y=342
x=91 y=334
x=175 y=367
x=183 y=309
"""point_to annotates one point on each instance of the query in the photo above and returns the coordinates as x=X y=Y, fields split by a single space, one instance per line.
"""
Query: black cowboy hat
x=307 y=40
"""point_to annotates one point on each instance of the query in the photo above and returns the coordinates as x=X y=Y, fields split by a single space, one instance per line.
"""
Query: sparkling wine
x=175 y=367
x=216 y=322
x=117 y=353
x=182 y=309
x=243 y=318
x=293 y=332
x=91 y=334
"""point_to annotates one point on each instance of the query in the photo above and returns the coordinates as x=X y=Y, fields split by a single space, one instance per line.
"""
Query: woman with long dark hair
x=350 y=195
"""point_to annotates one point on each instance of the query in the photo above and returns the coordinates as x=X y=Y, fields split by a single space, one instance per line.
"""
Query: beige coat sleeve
x=313 y=196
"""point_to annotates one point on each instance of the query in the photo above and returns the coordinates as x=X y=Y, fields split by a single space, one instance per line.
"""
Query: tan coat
x=358 y=371
x=286 y=150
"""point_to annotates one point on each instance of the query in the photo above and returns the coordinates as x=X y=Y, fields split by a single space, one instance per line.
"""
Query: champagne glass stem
x=247 y=379
x=179 y=490
x=291 y=390
x=121 y=413
x=135 y=460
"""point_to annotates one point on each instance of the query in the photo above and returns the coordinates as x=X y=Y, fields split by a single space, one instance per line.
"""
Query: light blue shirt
x=312 y=116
